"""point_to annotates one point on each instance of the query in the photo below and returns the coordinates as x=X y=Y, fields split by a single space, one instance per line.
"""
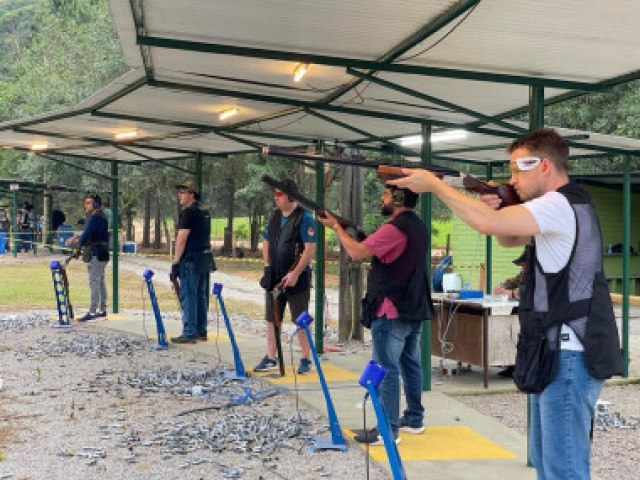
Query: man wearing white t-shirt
x=568 y=341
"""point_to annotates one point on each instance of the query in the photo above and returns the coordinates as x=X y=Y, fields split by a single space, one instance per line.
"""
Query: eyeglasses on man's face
x=524 y=164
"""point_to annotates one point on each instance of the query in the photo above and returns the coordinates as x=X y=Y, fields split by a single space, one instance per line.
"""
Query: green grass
x=29 y=286
x=218 y=225
x=442 y=229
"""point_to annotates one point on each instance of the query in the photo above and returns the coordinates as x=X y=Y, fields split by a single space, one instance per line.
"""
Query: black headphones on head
x=97 y=201
x=398 y=197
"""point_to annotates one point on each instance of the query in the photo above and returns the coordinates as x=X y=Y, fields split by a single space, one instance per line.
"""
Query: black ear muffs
x=97 y=201
x=398 y=197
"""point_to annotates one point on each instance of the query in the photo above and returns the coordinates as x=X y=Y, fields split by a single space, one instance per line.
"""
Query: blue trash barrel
x=3 y=242
x=129 y=247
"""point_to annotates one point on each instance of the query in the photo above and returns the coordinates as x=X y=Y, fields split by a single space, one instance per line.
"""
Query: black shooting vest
x=577 y=296
x=284 y=243
x=404 y=281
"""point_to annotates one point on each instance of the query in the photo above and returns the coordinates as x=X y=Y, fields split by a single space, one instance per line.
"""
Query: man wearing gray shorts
x=289 y=244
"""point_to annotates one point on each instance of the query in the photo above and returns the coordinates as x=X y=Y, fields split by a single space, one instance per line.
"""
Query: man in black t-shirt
x=192 y=263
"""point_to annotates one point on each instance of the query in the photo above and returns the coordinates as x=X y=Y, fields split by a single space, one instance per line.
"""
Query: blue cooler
x=129 y=247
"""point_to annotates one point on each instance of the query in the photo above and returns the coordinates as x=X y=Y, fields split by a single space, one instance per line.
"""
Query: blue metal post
x=370 y=379
x=240 y=371
x=162 y=335
x=337 y=439
x=62 y=300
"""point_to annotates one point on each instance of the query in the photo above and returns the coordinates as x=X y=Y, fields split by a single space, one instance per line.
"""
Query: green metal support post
x=626 y=242
x=14 y=222
x=115 y=227
x=489 y=246
x=536 y=120
x=49 y=214
x=425 y=212
x=199 y=173
x=320 y=246
x=34 y=244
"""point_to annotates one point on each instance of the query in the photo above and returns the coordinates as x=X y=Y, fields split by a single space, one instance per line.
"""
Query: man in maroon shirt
x=396 y=304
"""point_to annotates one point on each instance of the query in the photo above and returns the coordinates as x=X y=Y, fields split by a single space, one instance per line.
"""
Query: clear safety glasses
x=524 y=164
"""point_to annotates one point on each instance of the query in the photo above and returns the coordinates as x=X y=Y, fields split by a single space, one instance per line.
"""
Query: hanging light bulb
x=300 y=71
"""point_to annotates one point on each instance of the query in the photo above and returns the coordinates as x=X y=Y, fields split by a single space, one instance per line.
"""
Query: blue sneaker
x=266 y=364
x=305 y=366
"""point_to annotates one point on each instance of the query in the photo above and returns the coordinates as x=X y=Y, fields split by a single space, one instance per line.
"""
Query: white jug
x=451 y=282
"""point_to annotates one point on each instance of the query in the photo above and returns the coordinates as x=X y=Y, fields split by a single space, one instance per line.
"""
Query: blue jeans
x=193 y=299
x=396 y=346
x=561 y=418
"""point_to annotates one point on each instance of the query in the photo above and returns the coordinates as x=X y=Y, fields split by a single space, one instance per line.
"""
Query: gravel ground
x=89 y=403
x=616 y=451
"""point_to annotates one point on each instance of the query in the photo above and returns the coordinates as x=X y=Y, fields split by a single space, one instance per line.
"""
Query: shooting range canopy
x=377 y=71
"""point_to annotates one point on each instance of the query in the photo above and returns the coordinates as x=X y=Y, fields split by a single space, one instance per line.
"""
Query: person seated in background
x=511 y=286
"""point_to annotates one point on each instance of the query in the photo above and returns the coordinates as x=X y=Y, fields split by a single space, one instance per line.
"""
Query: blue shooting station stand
x=370 y=379
x=62 y=296
x=162 y=335
x=336 y=442
x=239 y=373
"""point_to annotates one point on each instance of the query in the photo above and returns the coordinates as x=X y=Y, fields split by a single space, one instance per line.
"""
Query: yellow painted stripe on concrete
x=331 y=373
x=442 y=443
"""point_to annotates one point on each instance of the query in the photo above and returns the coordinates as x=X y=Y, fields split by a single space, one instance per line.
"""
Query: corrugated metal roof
x=174 y=93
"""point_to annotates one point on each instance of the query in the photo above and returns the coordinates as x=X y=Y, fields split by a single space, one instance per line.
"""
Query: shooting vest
x=577 y=296
x=284 y=243
x=404 y=281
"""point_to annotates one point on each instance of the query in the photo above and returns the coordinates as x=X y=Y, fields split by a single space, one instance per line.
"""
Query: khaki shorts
x=298 y=303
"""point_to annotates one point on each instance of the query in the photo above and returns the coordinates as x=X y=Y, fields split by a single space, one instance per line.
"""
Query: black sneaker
x=304 y=367
x=266 y=364
x=202 y=336
x=89 y=317
x=102 y=314
x=184 y=339
x=405 y=426
x=372 y=437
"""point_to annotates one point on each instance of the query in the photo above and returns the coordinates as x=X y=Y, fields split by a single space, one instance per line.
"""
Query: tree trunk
x=165 y=227
x=146 y=223
x=351 y=280
x=254 y=226
x=157 y=231
x=228 y=231
x=128 y=215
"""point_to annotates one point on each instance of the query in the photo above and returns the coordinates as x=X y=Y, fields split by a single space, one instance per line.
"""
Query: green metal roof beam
x=101 y=141
x=233 y=138
x=434 y=100
x=407 y=44
x=300 y=57
x=314 y=105
x=101 y=176
x=58 y=116
x=612 y=82
x=372 y=137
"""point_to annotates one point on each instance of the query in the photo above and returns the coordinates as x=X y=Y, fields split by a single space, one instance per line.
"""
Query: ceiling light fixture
x=300 y=71
x=438 y=137
x=228 y=113
x=39 y=146
x=128 y=135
